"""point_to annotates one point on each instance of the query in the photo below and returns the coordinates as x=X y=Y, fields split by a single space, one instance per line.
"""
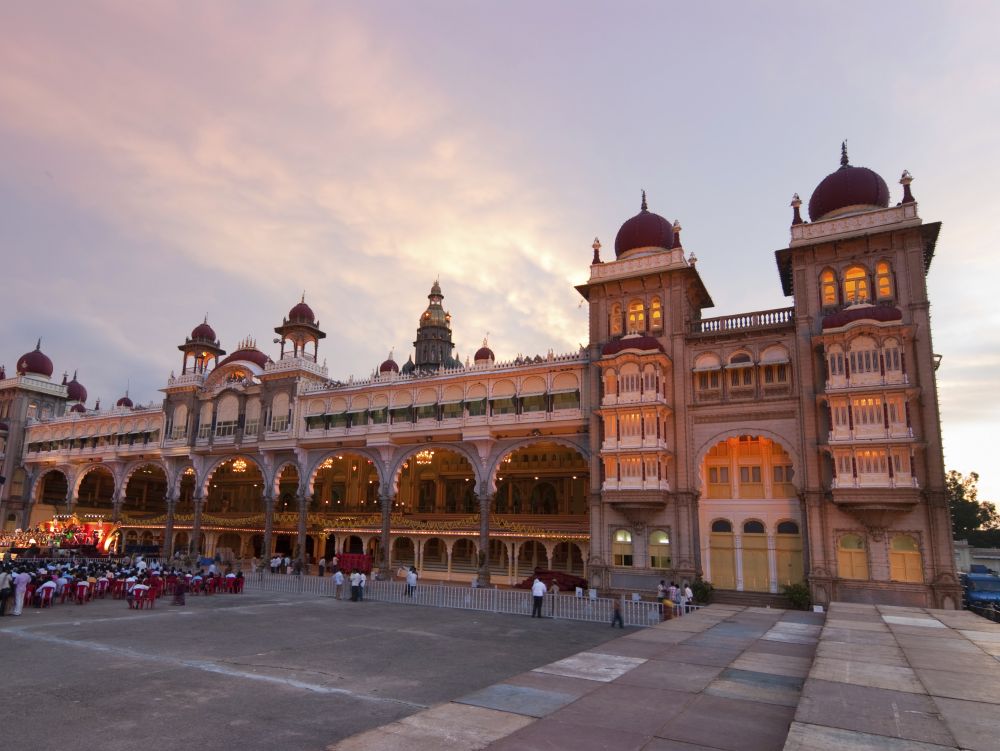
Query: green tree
x=968 y=513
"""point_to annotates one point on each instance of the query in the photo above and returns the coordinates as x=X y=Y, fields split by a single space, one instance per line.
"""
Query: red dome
x=75 y=392
x=78 y=408
x=204 y=332
x=389 y=366
x=868 y=313
x=35 y=362
x=484 y=354
x=248 y=354
x=124 y=402
x=301 y=313
x=641 y=343
x=847 y=187
x=644 y=230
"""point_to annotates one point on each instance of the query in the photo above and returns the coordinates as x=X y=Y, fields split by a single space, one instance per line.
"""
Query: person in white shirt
x=362 y=583
x=688 y=596
x=338 y=584
x=411 y=581
x=355 y=586
x=538 y=596
x=40 y=592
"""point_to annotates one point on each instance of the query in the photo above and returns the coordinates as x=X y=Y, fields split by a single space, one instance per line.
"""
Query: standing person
x=362 y=583
x=538 y=595
x=6 y=590
x=688 y=597
x=554 y=591
x=411 y=581
x=180 y=587
x=322 y=567
x=288 y=565
x=355 y=585
x=21 y=581
x=338 y=584
x=616 y=615
x=682 y=599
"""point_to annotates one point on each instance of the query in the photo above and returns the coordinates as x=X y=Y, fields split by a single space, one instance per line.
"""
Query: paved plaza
x=252 y=671
x=271 y=671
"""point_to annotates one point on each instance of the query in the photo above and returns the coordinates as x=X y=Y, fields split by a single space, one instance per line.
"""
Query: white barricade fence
x=510 y=601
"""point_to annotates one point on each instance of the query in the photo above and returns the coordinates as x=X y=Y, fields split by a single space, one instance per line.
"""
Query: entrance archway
x=146 y=490
x=345 y=482
x=436 y=481
x=96 y=490
x=722 y=555
x=754 y=539
x=543 y=478
x=788 y=545
x=235 y=487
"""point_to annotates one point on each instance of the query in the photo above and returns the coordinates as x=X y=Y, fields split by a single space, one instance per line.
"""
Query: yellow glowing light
x=327 y=464
x=239 y=465
x=424 y=457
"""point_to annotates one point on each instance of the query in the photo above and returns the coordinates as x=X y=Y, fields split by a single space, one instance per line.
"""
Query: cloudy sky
x=160 y=162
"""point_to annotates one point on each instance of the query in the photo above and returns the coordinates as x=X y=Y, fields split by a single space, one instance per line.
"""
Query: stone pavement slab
x=592 y=666
x=955 y=685
x=804 y=737
x=730 y=724
x=975 y=726
x=794 y=667
x=633 y=708
x=675 y=676
x=552 y=734
x=872 y=710
x=533 y=702
x=548 y=682
x=754 y=686
x=866 y=674
x=881 y=655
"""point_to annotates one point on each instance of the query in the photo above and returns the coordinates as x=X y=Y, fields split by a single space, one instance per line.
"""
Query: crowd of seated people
x=44 y=583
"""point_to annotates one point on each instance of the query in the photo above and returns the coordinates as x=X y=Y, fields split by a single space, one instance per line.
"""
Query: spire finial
x=74 y=374
x=644 y=207
x=205 y=319
x=597 y=251
x=905 y=181
x=38 y=346
x=843 y=154
x=795 y=204
x=303 y=296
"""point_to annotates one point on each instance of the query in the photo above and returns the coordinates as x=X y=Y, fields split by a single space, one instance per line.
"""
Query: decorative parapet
x=288 y=363
x=33 y=383
x=187 y=379
x=759 y=320
x=904 y=215
x=653 y=262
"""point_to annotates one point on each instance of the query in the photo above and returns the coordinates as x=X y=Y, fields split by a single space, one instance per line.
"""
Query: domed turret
x=847 y=191
x=644 y=230
x=484 y=355
x=301 y=313
x=78 y=407
x=203 y=332
x=35 y=362
x=75 y=392
x=247 y=351
x=388 y=366
x=125 y=402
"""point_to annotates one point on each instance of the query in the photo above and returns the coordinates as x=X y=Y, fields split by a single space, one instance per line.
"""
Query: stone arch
x=84 y=471
x=132 y=467
x=456 y=448
x=201 y=484
x=757 y=432
x=38 y=482
x=315 y=463
x=496 y=459
x=275 y=480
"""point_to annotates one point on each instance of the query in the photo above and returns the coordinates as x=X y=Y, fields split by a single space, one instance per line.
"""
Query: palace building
x=794 y=444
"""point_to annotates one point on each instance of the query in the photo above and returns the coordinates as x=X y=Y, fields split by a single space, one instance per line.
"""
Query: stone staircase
x=751 y=599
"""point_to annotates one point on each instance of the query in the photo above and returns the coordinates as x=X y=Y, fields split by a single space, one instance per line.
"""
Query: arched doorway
x=754 y=539
x=436 y=481
x=435 y=555
x=229 y=546
x=566 y=556
x=543 y=478
x=722 y=554
x=788 y=548
x=463 y=556
x=403 y=552
x=532 y=555
x=96 y=491
x=345 y=483
x=53 y=488
x=235 y=488
x=146 y=490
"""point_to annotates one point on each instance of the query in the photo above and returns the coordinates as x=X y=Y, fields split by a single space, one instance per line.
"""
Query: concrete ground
x=252 y=671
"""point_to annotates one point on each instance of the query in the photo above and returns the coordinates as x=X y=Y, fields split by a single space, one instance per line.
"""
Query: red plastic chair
x=237 y=585
x=143 y=598
x=45 y=598
x=68 y=591
x=101 y=588
x=194 y=586
x=170 y=583
x=118 y=589
x=82 y=592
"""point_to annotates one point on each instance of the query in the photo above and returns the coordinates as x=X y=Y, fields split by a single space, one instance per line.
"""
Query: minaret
x=434 y=345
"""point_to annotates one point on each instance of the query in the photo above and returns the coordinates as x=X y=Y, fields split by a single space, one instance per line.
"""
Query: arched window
x=788 y=528
x=852 y=558
x=905 y=564
x=655 y=314
x=621 y=549
x=828 y=288
x=883 y=280
x=856 y=285
x=615 y=323
x=722 y=525
x=740 y=370
x=636 y=317
x=659 y=549
x=753 y=528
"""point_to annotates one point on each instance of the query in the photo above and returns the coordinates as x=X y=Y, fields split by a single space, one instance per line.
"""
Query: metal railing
x=510 y=601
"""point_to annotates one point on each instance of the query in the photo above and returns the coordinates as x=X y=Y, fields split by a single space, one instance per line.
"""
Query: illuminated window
x=622 y=548
x=636 y=317
x=904 y=560
x=852 y=558
x=655 y=314
x=883 y=280
x=659 y=549
x=856 y=285
x=828 y=288
x=615 y=322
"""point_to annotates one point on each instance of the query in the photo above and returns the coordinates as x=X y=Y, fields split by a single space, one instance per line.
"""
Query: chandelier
x=327 y=464
x=189 y=471
x=239 y=465
x=424 y=457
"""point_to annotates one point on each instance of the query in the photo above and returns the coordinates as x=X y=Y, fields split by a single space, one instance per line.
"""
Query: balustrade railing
x=760 y=319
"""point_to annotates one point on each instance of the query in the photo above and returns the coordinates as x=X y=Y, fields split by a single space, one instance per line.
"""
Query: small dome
x=847 y=190
x=4 y=427
x=640 y=343
x=78 y=407
x=879 y=313
x=75 y=392
x=644 y=230
x=484 y=354
x=389 y=366
x=301 y=313
x=35 y=362
x=124 y=402
x=204 y=332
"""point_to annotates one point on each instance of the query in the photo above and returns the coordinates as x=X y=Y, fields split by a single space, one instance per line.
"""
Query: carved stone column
x=267 y=549
x=194 y=547
x=168 y=529
x=484 y=540
x=385 y=543
x=303 y=502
